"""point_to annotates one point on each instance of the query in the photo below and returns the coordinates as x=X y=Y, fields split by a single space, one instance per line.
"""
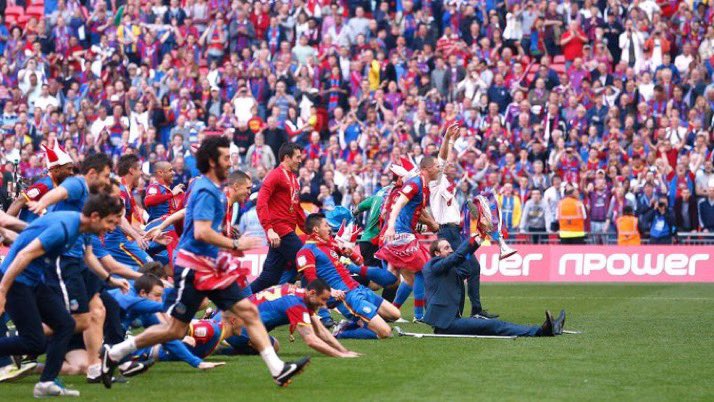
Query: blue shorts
x=186 y=299
x=128 y=253
x=70 y=280
x=363 y=303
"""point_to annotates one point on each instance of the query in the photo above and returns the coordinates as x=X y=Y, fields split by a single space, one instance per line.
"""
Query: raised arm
x=54 y=196
x=457 y=257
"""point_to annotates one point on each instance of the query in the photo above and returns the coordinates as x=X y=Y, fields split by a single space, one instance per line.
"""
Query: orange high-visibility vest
x=627 y=233
x=571 y=218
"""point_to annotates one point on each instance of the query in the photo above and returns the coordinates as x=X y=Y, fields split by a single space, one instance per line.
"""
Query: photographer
x=662 y=228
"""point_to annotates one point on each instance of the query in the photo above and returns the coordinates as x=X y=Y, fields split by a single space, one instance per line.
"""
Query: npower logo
x=620 y=264
x=515 y=265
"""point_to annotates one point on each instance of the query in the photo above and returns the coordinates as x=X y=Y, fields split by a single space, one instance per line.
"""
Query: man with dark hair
x=444 y=276
x=198 y=275
x=28 y=299
x=142 y=303
x=80 y=286
x=447 y=213
x=279 y=212
x=318 y=258
x=125 y=251
x=289 y=304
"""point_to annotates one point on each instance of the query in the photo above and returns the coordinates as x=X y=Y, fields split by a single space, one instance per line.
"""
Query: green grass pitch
x=639 y=343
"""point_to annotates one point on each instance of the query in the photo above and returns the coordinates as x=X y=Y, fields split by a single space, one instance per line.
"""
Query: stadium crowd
x=608 y=103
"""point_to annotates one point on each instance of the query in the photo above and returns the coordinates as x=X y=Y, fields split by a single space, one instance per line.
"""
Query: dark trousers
x=368 y=249
x=4 y=360
x=278 y=261
x=479 y=326
x=661 y=240
x=28 y=307
x=572 y=240
x=452 y=234
x=113 y=330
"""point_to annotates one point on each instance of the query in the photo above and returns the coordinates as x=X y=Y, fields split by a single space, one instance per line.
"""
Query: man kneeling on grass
x=444 y=278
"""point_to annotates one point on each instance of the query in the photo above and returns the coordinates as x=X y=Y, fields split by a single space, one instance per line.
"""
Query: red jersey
x=278 y=204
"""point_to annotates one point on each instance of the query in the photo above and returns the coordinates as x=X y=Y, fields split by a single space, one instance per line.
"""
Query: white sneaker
x=337 y=329
x=401 y=321
x=45 y=389
x=505 y=250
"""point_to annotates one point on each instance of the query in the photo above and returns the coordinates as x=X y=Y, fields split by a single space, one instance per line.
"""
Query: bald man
x=160 y=202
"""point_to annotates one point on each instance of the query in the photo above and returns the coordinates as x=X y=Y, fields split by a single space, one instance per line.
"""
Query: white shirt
x=138 y=124
x=99 y=125
x=443 y=203
x=242 y=106
x=43 y=102
x=552 y=197
x=682 y=63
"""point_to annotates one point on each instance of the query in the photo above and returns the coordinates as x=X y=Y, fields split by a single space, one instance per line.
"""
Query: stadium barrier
x=555 y=263
x=576 y=264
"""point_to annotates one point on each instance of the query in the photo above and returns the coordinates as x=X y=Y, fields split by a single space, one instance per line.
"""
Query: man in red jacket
x=279 y=212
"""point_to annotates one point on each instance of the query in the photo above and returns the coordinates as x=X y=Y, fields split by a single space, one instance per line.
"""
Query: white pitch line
x=602 y=298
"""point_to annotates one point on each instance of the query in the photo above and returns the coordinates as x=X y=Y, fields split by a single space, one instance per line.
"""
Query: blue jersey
x=57 y=231
x=77 y=194
x=282 y=305
x=205 y=203
x=34 y=193
x=160 y=201
x=417 y=191
x=317 y=259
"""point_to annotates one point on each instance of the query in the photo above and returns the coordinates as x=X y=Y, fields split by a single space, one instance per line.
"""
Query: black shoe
x=137 y=367
x=115 y=380
x=559 y=323
x=485 y=314
x=17 y=360
x=547 y=328
x=290 y=370
x=108 y=367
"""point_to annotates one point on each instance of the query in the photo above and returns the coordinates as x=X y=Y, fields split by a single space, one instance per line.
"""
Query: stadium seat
x=22 y=20
x=559 y=59
x=36 y=11
x=14 y=11
x=558 y=68
x=10 y=20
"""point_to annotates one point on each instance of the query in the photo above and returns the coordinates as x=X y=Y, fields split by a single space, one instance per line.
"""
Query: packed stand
x=608 y=101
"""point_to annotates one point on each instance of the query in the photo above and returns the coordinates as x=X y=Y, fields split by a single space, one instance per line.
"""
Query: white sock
x=94 y=371
x=118 y=351
x=271 y=359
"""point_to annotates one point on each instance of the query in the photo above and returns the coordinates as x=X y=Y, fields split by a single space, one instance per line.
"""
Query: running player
x=80 y=286
x=28 y=299
x=197 y=275
x=125 y=251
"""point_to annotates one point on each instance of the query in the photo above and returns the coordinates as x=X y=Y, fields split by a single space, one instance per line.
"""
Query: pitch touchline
x=601 y=297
